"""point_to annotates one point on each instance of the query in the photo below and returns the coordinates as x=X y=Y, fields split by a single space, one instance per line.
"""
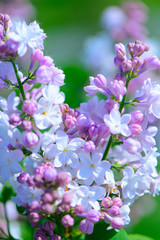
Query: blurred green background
x=68 y=23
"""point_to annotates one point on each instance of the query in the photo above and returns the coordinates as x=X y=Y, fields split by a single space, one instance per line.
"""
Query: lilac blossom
x=63 y=162
x=28 y=36
x=92 y=169
x=118 y=124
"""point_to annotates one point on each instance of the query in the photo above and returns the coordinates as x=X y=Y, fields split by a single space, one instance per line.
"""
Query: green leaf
x=100 y=232
x=6 y=194
x=138 y=237
x=121 y=235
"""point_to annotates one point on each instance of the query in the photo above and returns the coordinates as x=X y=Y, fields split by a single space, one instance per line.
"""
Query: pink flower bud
x=147 y=47
x=39 y=235
x=106 y=202
x=55 y=195
x=64 y=108
x=117 y=223
x=35 y=206
x=78 y=209
x=67 y=221
x=30 y=139
x=30 y=181
x=6 y=18
x=70 y=121
x=67 y=199
x=36 y=55
x=100 y=81
x=33 y=217
x=46 y=60
x=118 y=89
x=135 y=129
x=93 y=130
x=86 y=227
x=56 y=237
x=48 y=226
x=137 y=63
x=47 y=198
x=26 y=125
x=47 y=208
x=152 y=63
x=126 y=65
x=120 y=77
x=1 y=31
x=137 y=117
x=62 y=179
x=83 y=121
x=89 y=146
x=120 y=50
x=139 y=49
x=50 y=174
x=117 y=201
x=30 y=107
x=23 y=177
x=93 y=216
x=14 y=119
x=117 y=62
x=132 y=145
x=114 y=210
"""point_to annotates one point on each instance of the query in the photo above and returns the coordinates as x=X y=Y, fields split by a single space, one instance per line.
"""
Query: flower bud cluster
x=128 y=22
x=136 y=64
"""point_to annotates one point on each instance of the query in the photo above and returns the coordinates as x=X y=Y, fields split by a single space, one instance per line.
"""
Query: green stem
x=7 y=220
x=19 y=80
x=120 y=110
x=124 y=97
x=4 y=233
x=107 y=148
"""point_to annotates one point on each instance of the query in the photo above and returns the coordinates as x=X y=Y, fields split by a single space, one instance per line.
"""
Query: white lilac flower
x=9 y=163
x=28 y=36
x=7 y=73
x=124 y=214
x=51 y=137
x=150 y=93
x=47 y=114
x=17 y=139
x=9 y=106
x=5 y=130
x=94 y=108
x=109 y=182
x=146 y=138
x=121 y=157
x=26 y=195
x=92 y=169
x=52 y=94
x=155 y=186
x=134 y=184
x=64 y=151
x=118 y=124
x=88 y=196
x=149 y=162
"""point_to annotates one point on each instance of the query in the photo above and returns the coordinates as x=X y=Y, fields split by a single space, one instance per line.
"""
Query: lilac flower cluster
x=120 y=23
x=63 y=162
x=126 y=21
